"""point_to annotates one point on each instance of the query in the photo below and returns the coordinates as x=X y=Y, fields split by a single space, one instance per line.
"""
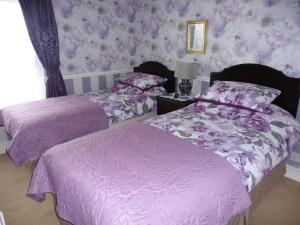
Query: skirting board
x=293 y=173
x=3 y=146
x=4 y=140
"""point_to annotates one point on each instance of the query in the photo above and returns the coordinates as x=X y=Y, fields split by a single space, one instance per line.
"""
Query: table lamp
x=185 y=72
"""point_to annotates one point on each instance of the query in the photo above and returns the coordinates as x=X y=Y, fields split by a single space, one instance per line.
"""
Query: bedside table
x=166 y=103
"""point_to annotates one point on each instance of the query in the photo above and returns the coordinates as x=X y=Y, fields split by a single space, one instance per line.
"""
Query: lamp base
x=185 y=87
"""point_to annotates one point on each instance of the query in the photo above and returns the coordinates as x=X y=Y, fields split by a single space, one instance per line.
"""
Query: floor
x=280 y=207
x=17 y=208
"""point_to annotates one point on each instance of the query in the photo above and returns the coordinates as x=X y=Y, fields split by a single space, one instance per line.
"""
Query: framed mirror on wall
x=196 y=36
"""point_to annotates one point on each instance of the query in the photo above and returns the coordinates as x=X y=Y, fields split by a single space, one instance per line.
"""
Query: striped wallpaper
x=82 y=83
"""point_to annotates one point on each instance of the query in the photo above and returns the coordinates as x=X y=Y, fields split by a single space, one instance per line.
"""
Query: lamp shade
x=184 y=70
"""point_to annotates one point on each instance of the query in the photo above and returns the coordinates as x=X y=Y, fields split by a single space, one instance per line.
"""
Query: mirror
x=196 y=36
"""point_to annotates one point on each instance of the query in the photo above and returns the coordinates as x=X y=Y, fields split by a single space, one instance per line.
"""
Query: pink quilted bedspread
x=39 y=125
x=138 y=175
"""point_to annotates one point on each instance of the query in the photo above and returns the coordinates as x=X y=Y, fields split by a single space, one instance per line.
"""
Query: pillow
x=248 y=95
x=142 y=80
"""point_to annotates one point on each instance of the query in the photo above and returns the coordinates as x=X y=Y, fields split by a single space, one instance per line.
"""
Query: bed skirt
x=256 y=195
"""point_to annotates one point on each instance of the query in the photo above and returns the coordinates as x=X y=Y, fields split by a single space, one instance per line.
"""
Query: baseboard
x=3 y=146
x=4 y=140
x=293 y=173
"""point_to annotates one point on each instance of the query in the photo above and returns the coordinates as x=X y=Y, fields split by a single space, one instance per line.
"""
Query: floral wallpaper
x=239 y=31
x=97 y=35
x=101 y=35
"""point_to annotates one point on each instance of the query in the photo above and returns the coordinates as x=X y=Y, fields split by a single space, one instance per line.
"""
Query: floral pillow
x=142 y=80
x=248 y=95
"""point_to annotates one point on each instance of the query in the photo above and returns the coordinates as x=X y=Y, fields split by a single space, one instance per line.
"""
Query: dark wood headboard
x=156 y=68
x=266 y=76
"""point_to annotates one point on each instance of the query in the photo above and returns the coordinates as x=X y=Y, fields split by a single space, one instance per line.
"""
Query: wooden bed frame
x=156 y=68
x=266 y=76
x=288 y=100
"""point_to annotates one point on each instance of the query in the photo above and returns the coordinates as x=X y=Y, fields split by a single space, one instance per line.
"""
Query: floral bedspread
x=253 y=142
x=122 y=102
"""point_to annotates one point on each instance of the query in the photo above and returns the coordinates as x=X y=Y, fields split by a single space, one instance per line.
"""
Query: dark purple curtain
x=42 y=29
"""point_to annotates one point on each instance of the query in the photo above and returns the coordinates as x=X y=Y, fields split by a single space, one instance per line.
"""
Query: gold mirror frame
x=201 y=35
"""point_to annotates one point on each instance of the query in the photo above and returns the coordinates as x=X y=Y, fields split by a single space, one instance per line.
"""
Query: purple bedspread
x=37 y=126
x=138 y=175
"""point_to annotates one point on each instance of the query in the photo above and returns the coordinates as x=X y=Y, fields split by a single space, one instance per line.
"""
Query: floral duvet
x=122 y=102
x=253 y=142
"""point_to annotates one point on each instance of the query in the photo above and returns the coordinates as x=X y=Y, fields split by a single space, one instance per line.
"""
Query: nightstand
x=167 y=103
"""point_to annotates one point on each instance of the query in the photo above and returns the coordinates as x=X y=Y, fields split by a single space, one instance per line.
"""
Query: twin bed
x=124 y=102
x=208 y=163
x=37 y=126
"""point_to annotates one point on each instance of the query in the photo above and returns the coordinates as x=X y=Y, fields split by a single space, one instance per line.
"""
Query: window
x=21 y=74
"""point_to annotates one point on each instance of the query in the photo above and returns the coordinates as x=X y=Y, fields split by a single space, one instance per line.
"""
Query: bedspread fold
x=37 y=126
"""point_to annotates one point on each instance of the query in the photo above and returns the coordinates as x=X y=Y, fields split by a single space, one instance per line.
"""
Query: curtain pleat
x=42 y=28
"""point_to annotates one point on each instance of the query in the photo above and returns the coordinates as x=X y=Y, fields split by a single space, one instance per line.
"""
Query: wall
x=92 y=81
x=239 y=31
x=260 y=31
x=96 y=35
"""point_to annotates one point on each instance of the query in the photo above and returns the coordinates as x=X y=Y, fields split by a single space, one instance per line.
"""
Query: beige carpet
x=280 y=207
x=17 y=208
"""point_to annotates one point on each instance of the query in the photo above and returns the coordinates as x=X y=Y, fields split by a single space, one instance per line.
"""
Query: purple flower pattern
x=136 y=30
x=253 y=142
x=248 y=95
x=142 y=80
x=122 y=102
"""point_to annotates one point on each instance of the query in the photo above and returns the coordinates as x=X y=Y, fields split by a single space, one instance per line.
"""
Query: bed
x=125 y=103
x=177 y=168
x=288 y=100
x=38 y=126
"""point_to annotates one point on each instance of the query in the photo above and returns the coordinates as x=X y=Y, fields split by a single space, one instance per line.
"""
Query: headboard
x=266 y=76
x=158 y=69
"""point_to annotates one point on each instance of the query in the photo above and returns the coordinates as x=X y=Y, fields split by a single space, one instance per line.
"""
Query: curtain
x=41 y=25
